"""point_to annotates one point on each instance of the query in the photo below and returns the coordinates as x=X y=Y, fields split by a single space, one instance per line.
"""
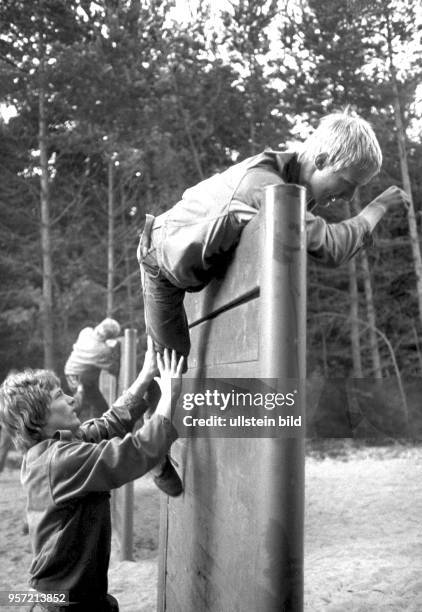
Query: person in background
x=96 y=349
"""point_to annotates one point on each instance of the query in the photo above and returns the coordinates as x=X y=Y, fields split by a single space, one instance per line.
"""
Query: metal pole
x=129 y=375
x=112 y=389
x=283 y=357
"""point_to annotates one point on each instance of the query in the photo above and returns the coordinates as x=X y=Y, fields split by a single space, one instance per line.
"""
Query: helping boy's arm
x=127 y=409
x=79 y=468
x=140 y=385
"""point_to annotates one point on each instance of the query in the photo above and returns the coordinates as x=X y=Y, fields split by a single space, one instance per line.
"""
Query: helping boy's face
x=326 y=185
x=62 y=412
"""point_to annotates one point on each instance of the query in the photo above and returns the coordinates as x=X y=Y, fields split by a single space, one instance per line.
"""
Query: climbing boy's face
x=326 y=186
x=62 y=413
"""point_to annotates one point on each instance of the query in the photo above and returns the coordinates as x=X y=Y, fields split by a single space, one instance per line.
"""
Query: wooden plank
x=234 y=338
x=162 y=552
x=219 y=545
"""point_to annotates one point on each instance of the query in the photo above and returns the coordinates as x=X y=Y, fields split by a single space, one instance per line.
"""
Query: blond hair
x=348 y=141
x=108 y=328
x=24 y=405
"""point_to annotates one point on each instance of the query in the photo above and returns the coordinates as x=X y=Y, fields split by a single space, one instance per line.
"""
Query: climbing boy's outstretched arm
x=390 y=199
x=335 y=243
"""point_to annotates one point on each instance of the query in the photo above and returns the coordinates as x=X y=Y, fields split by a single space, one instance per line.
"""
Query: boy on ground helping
x=181 y=249
x=69 y=469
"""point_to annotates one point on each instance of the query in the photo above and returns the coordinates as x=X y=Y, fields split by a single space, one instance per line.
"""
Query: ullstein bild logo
x=240 y=408
x=242 y=421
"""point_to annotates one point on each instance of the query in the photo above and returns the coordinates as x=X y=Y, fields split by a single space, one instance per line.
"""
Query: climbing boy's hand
x=391 y=198
x=169 y=381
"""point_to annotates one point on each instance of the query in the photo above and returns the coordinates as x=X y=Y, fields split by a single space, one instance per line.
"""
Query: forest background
x=111 y=109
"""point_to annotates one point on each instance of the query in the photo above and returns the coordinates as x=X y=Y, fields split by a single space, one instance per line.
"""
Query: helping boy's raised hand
x=170 y=379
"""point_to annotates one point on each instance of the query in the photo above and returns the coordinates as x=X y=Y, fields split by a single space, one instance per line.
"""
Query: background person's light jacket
x=91 y=354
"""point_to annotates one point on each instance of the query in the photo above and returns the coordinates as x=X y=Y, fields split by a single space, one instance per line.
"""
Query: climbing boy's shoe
x=168 y=480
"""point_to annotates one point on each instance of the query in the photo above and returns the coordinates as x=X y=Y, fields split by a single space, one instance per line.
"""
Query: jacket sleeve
x=117 y=421
x=80 y=468
x=333 y=244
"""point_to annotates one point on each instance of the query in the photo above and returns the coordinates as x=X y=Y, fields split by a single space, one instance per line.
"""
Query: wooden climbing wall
x=234 y=540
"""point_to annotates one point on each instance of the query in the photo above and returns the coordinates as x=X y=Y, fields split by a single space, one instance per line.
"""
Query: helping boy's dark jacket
x=68 y=481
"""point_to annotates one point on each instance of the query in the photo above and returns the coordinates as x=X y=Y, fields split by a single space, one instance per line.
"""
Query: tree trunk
x=186 y=124
x=418 y=348
x=354 y=317
x=324 y=350
x=129 y=287
x=194 y=150
x=370 y=313
x=354 y=324
x=369 y=298
x=47 y=267
x=110 y=242
x=401 y=141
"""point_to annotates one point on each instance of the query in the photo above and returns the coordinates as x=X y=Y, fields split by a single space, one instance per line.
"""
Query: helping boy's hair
x=347 y=139
x=24 y=402
x=108 y=328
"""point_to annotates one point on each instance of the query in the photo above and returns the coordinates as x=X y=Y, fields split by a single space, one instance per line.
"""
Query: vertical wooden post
x=110 y=239
x=129 y=375
x=283 y=357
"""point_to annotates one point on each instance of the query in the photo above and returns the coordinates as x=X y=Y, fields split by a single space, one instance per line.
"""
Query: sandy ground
x=363 y=536
x=133 y=583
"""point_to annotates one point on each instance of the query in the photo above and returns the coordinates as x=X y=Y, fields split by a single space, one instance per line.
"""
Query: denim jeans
x=165 y=316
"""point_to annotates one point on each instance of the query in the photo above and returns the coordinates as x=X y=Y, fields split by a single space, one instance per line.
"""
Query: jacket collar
x=64 y=435
x=286 y=163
